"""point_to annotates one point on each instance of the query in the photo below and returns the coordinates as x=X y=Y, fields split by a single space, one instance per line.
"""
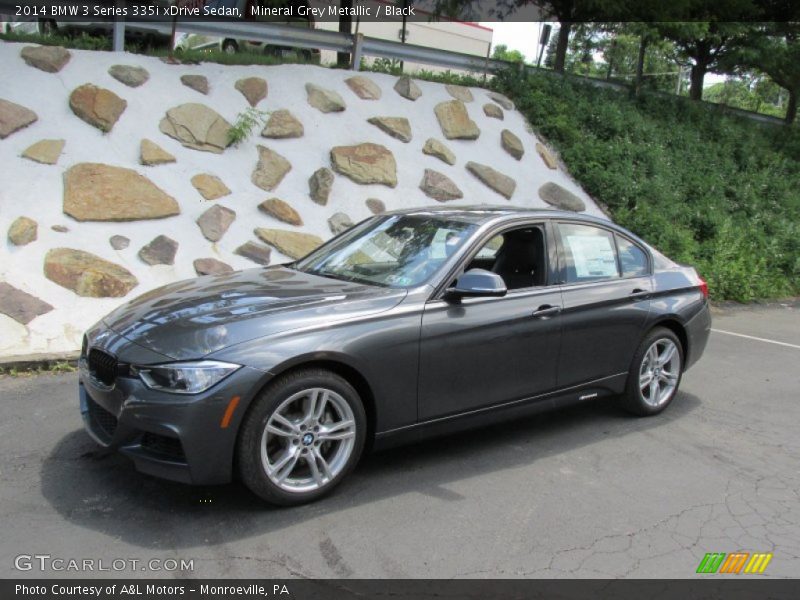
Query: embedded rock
x=291 y=243
x=364 y=88
x=270 y=169
x=23 y=231
x=151 y=154
x=14 y=117
x=50 y=59
x=339 y=222
x=320 y=184
x=97 y=106
x=160 y=251
x=365 y=163
x=548 y=157
x=282 y=124
x=21 y=306
x=59 y=228
x=197 y=126
x=502 y=100
x=323 y=99
x=87 y=274
x=129 y=75
x=210 y=186
x=512 y=144
x=439 y=186
x=215 y=222
x=255 y=252
x=397 y=127
x=46 y=152
x=198 y=83
x=119 y=242
x=277 y=208
x=211 y=266
x=500 y=183
x=557 y=196
x=97 y=192
x=406 y=87
x=493 y=111
x=434 y=147
x=455 y=122
x=254 y=89
x=376 y=206
x=459 y=92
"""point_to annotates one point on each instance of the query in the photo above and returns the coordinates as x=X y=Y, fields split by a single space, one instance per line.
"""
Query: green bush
x=707 y=188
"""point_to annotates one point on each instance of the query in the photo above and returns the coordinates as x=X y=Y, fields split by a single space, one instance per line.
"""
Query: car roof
x=480 y=214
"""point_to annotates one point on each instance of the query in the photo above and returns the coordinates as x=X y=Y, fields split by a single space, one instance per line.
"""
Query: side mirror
x=478 y=283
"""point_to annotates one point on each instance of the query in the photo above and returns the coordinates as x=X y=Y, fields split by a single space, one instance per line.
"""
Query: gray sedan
x=408 y=325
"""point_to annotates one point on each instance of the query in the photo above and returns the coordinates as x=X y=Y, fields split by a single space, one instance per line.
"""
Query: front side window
x=391 y=251
x=589 y=253
x=632 y=259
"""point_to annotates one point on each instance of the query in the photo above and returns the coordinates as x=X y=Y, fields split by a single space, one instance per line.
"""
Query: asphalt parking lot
x=585 y=492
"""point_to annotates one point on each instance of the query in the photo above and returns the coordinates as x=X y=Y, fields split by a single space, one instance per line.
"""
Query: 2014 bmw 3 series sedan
x=410 y=324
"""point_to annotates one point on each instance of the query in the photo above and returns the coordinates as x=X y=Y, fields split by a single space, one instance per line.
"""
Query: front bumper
x=167 y=435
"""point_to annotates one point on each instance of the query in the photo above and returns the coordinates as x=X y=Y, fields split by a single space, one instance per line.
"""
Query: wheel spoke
x=277 y=431
x=285 y=422
x=655 y=390
x=668 y=377
x=285 y=465
x=337 y=431
x=667 y=355
x=645 y=379
x=652 y=356
x=319 y=409
x=311 y=459
x=326 y=470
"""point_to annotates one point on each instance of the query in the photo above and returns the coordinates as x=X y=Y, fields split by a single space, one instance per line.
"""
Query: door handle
x=545 y=311
x=639 y=294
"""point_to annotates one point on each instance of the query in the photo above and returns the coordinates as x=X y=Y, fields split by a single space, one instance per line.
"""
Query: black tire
x=251 y=468
x=634 y=399
x=230 y=47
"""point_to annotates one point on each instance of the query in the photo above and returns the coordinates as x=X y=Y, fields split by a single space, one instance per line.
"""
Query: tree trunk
x=637 y=85
x=791 y=108
x=696 y=77
x=345 y=26
x=561 y=48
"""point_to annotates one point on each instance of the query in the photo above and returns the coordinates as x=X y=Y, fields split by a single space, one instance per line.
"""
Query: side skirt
x=607 y=386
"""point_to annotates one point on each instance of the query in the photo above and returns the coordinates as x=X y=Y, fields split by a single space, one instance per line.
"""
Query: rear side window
x=632 y=259
x=589 y=253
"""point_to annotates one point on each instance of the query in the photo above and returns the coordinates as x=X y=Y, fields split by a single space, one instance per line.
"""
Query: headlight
x=184 y=378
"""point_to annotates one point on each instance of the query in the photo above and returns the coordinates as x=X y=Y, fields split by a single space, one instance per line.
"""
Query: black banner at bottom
x=332 y=589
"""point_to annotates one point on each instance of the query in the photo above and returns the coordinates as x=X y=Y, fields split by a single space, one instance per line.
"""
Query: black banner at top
x=283 y=11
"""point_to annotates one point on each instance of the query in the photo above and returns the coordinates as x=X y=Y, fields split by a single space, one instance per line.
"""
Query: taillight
x=704 y=287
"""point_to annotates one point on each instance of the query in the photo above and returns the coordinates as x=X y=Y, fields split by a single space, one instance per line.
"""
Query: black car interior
x=521 y=259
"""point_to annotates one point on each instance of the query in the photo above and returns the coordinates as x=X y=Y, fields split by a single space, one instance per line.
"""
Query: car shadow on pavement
x=106 y=494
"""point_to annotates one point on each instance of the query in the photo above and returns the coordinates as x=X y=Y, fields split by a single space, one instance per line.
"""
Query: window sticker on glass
x=593 y=255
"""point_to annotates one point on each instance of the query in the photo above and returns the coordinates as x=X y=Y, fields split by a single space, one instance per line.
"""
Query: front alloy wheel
x=308 y=440
x=302 y=435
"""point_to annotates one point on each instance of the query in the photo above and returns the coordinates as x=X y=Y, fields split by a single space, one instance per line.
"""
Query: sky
x=525 y=36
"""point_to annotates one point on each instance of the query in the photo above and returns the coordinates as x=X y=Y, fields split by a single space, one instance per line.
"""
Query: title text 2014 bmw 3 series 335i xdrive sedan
x=410 y=324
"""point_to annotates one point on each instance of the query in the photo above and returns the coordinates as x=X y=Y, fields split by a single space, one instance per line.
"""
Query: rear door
x=605 y=285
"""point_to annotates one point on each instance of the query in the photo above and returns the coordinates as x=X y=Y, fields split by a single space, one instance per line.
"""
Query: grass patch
x=709 y=189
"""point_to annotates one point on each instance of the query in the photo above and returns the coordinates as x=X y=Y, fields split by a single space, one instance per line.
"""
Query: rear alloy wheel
x=230 y=47
x=655 y=373
x=302 y=437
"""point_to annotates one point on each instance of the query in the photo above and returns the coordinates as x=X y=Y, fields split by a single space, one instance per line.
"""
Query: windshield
x=391 y=251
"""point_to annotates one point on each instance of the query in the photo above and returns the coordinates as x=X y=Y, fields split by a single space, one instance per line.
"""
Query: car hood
x=190 y=319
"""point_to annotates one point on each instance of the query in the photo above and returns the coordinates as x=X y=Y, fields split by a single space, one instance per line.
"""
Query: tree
x=776 y=52
x=501 y=52
x=705 y=46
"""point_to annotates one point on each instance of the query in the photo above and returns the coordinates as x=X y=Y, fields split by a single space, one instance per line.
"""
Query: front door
x=488 y=351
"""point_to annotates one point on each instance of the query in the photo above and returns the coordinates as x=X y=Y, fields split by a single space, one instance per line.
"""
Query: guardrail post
x=358 y=41
x=119 y=30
